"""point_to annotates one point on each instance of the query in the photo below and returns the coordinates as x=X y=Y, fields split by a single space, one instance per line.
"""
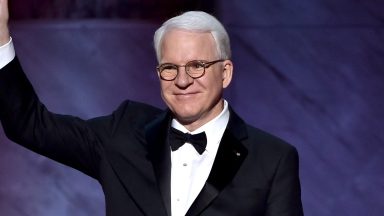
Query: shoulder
x=130 y=114
x=139 y=108
x=270 y=152
x=267 y=141
x=259 y=143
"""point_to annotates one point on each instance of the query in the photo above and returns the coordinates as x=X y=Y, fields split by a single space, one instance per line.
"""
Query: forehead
x=184 y=45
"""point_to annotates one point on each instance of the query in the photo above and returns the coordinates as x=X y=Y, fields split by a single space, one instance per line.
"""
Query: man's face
x=194 y=102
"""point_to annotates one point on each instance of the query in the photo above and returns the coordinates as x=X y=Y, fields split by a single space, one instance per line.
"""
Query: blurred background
x=310 y=72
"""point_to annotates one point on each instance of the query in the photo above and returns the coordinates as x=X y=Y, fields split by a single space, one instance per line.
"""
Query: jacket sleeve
x=27 y=121
x=285 y=194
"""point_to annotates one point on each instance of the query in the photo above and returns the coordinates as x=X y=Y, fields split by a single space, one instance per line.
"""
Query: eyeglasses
x=194 y=69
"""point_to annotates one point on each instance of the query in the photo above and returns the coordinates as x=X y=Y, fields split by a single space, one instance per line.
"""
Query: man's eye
x=197 y=65
x=168 y=67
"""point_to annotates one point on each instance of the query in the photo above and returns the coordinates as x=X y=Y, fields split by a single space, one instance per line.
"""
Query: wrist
x=4 y=34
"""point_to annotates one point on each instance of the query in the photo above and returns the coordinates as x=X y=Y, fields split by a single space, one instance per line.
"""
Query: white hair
x=195 y=21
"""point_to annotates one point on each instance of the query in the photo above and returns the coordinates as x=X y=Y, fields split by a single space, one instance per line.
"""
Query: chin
x=186 y=117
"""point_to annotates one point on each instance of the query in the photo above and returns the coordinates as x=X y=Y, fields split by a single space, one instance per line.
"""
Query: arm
x=285 y=195
x=7 y=52
x=26 y=121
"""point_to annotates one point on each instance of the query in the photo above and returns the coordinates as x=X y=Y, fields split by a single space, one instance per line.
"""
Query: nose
x=183 y=80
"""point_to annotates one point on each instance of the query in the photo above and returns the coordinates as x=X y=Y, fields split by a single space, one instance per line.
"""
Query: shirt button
x=185 y=164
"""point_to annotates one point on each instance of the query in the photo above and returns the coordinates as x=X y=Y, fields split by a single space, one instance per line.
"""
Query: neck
x=193 y=124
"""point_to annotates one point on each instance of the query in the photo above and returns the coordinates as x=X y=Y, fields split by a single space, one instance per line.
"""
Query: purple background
x=310 y=72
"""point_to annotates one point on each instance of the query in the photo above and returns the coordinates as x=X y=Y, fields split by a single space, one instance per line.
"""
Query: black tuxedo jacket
x=254 y=173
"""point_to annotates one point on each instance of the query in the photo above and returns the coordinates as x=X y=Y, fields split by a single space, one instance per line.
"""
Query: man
x=196 y=158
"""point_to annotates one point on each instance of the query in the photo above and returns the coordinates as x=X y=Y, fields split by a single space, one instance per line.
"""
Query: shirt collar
x=213 y=129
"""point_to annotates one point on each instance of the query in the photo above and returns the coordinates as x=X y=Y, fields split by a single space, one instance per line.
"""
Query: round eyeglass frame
x=204 y=64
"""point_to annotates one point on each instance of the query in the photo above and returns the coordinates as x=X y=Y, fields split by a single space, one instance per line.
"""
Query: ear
x=227 y=73
x=158 y=73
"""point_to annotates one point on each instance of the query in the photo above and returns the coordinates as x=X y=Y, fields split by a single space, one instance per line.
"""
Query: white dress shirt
x=7 y=53
x=190 y=170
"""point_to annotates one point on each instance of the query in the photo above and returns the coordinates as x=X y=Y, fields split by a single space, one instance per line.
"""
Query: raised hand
x=4 y=16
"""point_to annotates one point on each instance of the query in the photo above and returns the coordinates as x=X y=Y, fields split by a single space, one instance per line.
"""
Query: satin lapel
x=142 y=185
x=160 y=156
x=230 y=155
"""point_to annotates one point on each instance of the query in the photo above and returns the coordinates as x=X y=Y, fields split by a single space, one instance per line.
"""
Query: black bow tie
x=178 y=138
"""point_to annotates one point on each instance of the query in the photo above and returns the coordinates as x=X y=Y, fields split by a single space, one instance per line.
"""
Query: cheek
x=213 y=84
x=164 y=86
x=165 y=91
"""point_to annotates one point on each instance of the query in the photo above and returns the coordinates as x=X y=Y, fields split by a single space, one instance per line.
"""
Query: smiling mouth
x=185 y=92
x=185 y=95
